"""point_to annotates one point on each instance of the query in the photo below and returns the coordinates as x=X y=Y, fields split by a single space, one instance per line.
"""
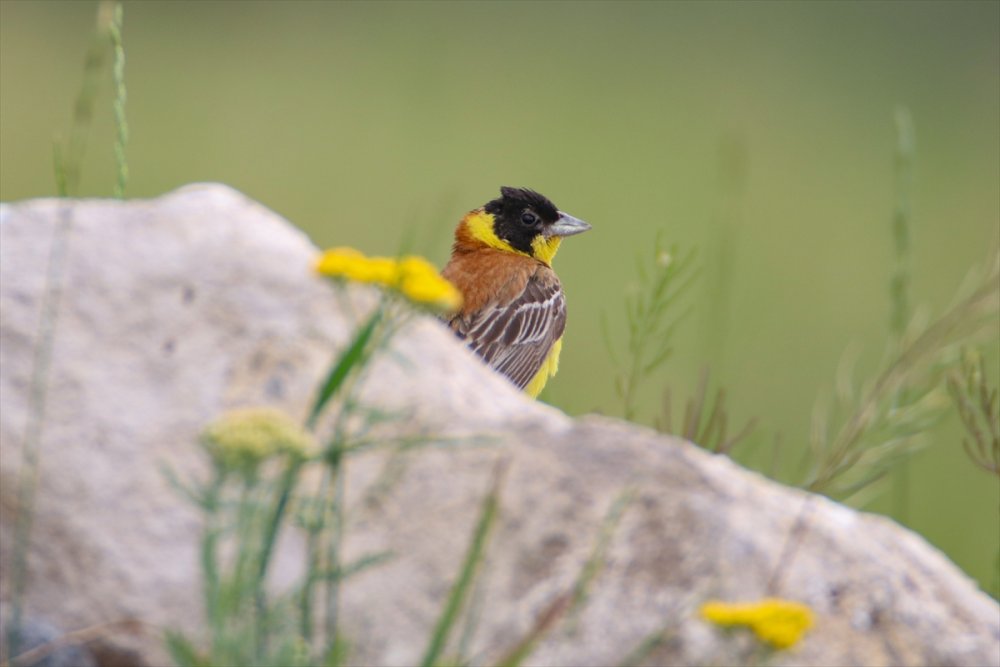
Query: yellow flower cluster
x=413 y=277
x=242 y=438
x=780 y=623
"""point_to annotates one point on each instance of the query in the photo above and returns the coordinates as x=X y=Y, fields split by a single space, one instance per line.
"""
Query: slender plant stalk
x=792 y=543
x=209 y=544
x=637 y=656
x=270 y=538
x=314 y=529
x=118 y=77
x=976 y=402
x=449 y=615
x=67 y=182
x=572 y=601
x=713 y=434
x=69 y=160
x=332 y=560
x=651 y=321
x=978 y=407
x=899 y=284
x=356 y=355
x=959 y=323
x=902 y=218
x=545 y=622
x=35 y=424
x=595 y=563
x=724 y=243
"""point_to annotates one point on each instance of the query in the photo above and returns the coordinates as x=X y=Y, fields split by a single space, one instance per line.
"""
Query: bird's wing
x=514 y=338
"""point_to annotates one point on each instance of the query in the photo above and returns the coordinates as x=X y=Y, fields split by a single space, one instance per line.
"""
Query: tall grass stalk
x=247 y=508
x=286 y=485
x=470 y=567
x=35 y=426
x=654 y=640
x=721 y=257
x=709 y=432
x=878 y=430
x=69 y=157
x=651 y=313
x=331 y=559
x=67 y=164
x=902 y=222
x=571 y=602
x=67 y=172
x=595 y=563
x=118 y=79
x=899 y=284
x=977 y=402
x=545 y=622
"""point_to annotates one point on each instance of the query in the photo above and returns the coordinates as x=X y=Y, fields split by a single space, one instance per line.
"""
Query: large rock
x=171 y=310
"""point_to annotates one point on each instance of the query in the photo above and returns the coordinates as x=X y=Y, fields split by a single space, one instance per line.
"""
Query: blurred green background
x=761 y=134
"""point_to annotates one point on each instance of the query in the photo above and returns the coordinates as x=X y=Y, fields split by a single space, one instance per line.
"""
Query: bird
x=513 y=312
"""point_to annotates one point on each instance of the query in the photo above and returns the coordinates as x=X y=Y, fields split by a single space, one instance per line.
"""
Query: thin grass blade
x=544 y=624
x=474 y=556
x=355 y=355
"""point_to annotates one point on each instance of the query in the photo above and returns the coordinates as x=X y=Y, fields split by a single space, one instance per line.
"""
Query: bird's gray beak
x=566 y=225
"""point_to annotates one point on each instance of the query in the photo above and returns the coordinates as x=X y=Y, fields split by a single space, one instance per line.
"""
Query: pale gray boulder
x=174 y=309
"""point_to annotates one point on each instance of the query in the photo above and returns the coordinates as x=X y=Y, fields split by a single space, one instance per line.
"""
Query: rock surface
x=174 y=309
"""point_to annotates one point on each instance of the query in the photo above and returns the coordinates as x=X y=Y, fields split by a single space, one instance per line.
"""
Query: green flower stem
x=209 y=544
x=335 y=519
x=287 y=483
x=315 y=530
x=356 y=355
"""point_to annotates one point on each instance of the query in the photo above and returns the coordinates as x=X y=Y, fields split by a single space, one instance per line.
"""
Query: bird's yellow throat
x=480 y=225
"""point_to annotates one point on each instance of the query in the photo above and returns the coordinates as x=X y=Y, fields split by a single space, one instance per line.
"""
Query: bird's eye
x=529 y=219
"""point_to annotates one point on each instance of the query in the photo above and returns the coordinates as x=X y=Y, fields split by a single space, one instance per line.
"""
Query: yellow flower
x=242 y=438
x=413 y=277
x=780 y=623
x=420 y=282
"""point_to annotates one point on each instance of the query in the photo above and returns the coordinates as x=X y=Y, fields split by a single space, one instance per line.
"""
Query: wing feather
x=515 y=338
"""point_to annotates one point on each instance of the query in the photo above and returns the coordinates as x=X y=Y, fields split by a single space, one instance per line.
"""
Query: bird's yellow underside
x=548 y=369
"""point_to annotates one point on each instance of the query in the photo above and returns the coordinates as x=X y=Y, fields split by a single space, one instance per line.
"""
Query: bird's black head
x=520 y=215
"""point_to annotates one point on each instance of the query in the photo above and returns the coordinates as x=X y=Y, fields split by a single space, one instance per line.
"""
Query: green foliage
x=355 y=356
x=652 y=316
x=68 y=158
x=650 y=313
x=864 y=433
x=67 y=169
x=869 y=429
x=975 y=401
x=242 y=515
x=704 y=423
x=255 y=494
